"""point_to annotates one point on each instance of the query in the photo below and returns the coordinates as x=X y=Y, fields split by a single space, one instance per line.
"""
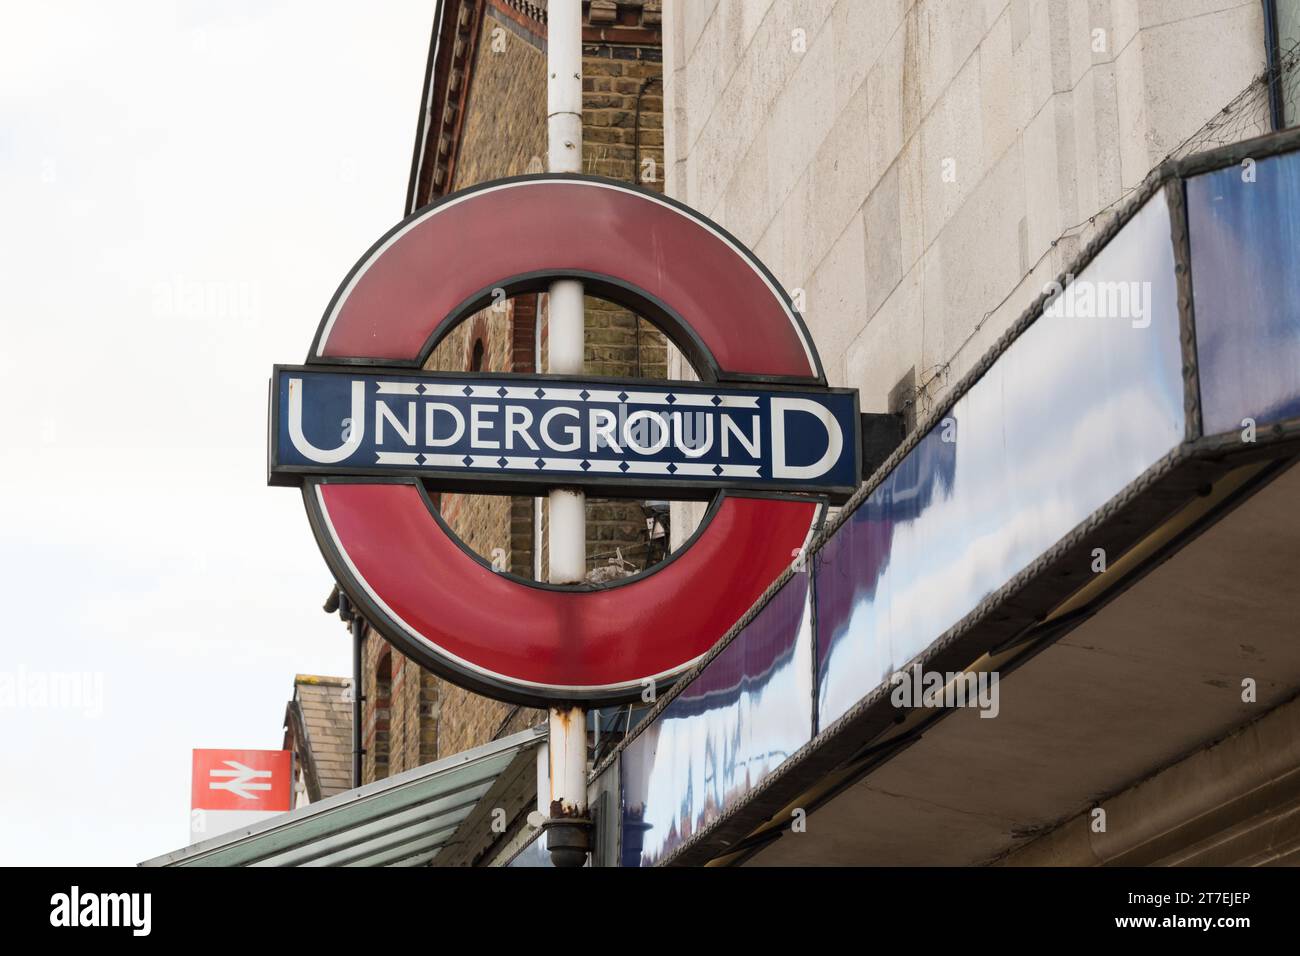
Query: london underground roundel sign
x=366 y=433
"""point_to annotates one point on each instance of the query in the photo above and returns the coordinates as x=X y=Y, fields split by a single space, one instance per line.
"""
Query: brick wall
x=503 y=133
x=504 y=127
x=612 y=83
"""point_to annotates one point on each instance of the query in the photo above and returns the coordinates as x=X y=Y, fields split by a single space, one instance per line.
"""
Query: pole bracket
x=882 y=433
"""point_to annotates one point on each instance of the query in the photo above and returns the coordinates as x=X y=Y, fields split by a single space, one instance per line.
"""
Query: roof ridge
x=321 y=679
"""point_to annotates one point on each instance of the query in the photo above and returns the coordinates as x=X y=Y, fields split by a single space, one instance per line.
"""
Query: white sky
x=182 y=187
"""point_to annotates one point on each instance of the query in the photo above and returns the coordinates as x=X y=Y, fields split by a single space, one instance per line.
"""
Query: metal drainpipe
x=358 y=698
x=636 y=181
x=1273 y=54
x=567 y=825
x=358 y=626
x=636 y=138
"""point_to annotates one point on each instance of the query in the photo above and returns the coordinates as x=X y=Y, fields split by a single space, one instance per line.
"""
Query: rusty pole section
x=567 y=826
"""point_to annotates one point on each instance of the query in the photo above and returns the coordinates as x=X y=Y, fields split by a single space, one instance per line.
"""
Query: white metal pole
x=564 y=85
x=568 y=746
x=567 y=544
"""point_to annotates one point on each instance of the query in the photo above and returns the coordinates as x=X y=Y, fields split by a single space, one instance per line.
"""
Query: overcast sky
x=182 y=187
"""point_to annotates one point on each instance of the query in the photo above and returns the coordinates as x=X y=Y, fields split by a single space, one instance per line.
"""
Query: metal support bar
x=882 y=433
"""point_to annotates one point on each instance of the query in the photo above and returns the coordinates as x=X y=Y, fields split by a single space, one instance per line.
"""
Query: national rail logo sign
x=367 y=434
x=230 y=789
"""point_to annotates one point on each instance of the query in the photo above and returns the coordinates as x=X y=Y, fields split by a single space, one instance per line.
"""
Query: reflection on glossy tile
x=741 y=718
x=1081 y=404
x=1085 y=401
x=1245 y=238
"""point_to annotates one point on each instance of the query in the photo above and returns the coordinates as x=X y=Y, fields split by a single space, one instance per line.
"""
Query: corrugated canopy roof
x=405 y=820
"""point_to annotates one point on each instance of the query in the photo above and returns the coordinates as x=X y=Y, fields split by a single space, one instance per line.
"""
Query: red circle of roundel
x=412 y=578
x=718 y=302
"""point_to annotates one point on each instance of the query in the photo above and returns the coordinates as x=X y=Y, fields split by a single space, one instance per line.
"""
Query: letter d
x=834 y=438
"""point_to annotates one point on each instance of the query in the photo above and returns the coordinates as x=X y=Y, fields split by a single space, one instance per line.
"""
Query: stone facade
x=492 y=123
x=917 y=170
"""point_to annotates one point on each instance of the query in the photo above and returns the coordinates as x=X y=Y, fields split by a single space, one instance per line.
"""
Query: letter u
x=320 y=455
